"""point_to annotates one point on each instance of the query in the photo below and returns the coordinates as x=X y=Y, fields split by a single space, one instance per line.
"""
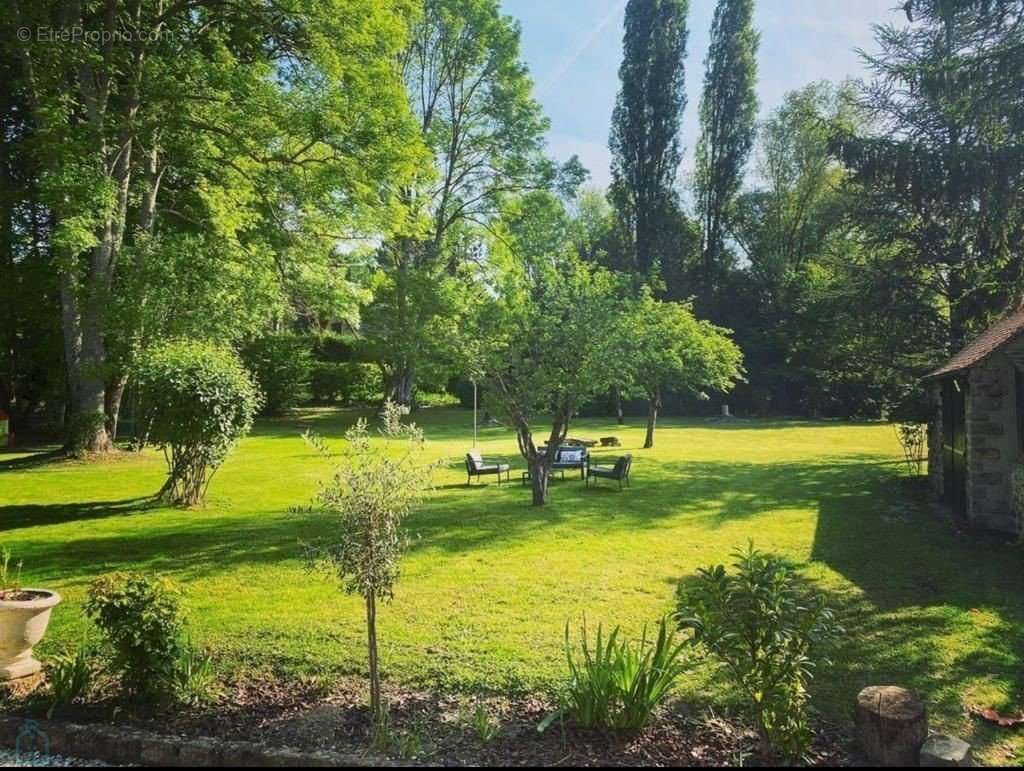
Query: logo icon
x=32 y=740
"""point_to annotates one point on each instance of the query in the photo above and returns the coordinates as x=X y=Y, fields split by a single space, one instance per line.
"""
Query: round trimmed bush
x=197 y=401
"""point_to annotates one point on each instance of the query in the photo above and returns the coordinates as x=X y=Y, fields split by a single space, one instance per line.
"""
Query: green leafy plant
x=615 y=683
x=486 y=728
x=141 y=618
x=194 y=680
x=281 y=366
x=69 y=676
x=912 y=438
x=768 y=635
x=198 y=401
x=408 y=744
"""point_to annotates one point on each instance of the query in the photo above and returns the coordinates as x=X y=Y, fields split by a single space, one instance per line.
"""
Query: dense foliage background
x=335 y=189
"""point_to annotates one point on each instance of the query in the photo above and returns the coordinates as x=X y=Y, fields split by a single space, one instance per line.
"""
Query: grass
x=489 y=581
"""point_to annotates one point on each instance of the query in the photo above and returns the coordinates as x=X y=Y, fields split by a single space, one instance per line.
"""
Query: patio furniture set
x=567 y=458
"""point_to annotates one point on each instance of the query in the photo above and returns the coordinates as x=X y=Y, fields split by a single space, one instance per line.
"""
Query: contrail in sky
x=592 y=35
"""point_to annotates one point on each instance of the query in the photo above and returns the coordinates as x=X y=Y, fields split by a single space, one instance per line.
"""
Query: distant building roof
x=992 y=339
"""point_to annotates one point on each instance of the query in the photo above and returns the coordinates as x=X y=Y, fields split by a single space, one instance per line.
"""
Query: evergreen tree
x=944 y=172
x=645 y=125
x=728 y=112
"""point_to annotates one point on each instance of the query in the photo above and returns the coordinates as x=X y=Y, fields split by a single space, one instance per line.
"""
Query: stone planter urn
x=24 y=616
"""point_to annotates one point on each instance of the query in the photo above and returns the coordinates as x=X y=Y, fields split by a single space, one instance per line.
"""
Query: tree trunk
x=403 y=383
x=371 y=640
x=539 y=475
x=618 y=406
x=112 y=406
x=89 y=421
x=653 y=405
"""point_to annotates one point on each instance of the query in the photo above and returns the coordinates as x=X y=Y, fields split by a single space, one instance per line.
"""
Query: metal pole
x=474 y=414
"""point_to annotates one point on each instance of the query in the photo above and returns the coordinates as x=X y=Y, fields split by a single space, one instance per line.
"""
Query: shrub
x=616 y=684
x=197 y=402
x=141 y=618
x=768 y=637
x=348 y=382
x=281 y=366
x=69 y=676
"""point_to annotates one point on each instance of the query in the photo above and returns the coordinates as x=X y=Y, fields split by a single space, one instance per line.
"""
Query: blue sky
x=573 y=49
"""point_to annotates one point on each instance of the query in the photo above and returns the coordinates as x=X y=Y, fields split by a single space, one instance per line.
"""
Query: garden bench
x=567 y=458
x=618 y=472
x=476 y=466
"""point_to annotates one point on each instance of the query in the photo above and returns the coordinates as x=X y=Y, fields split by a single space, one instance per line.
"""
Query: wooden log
x=892 y=724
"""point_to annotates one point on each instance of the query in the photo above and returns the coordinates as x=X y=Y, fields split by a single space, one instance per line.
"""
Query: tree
x=545 y=324
x=207 y=103
x=728 y=111
x=374 y=486
x=664 y=346
x=645 y=125
x=470 y=93
x=943 y=174
x=793 y=230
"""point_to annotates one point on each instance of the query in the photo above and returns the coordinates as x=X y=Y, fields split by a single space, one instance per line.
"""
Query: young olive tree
x=547 y=342
x=374 y=486
x=197 y=402
x=663 y=345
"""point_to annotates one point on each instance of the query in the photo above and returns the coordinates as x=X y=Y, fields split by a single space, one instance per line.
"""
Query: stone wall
x=991 y=443
x=1017 y=491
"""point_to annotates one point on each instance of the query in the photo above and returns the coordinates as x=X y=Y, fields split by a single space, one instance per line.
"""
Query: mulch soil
x=436 y=729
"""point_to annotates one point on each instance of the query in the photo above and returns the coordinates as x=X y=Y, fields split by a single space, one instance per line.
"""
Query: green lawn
x=489 y=581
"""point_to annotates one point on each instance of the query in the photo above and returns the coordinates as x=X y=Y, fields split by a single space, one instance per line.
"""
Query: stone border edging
x=121 y=745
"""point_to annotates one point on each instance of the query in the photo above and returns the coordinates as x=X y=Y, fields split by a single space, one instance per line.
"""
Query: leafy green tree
x=728 y=111
x=470 y=94
x=646 y=124
x=943 y=174
x=543 y=334
x=30 y=338
x=204 y=119
x=373 y=487
x=664 y=346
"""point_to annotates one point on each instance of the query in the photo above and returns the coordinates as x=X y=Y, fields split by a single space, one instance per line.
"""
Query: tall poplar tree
x=728 y=111
x=645 y=124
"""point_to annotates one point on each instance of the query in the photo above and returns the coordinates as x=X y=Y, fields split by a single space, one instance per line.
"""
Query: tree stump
x=892 y=724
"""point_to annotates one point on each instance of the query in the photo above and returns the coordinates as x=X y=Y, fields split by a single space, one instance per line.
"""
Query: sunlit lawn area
x=489 y=581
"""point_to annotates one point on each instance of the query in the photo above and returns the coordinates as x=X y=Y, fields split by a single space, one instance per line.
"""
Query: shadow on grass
x=41 y=515
x=35 y=458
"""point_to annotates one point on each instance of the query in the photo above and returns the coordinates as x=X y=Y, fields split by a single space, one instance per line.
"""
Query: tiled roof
x=995 y=337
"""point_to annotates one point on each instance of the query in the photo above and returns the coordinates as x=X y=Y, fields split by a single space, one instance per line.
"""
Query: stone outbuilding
x=976 y=440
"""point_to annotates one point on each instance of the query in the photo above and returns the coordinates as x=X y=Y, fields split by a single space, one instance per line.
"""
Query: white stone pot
x=22 y=625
